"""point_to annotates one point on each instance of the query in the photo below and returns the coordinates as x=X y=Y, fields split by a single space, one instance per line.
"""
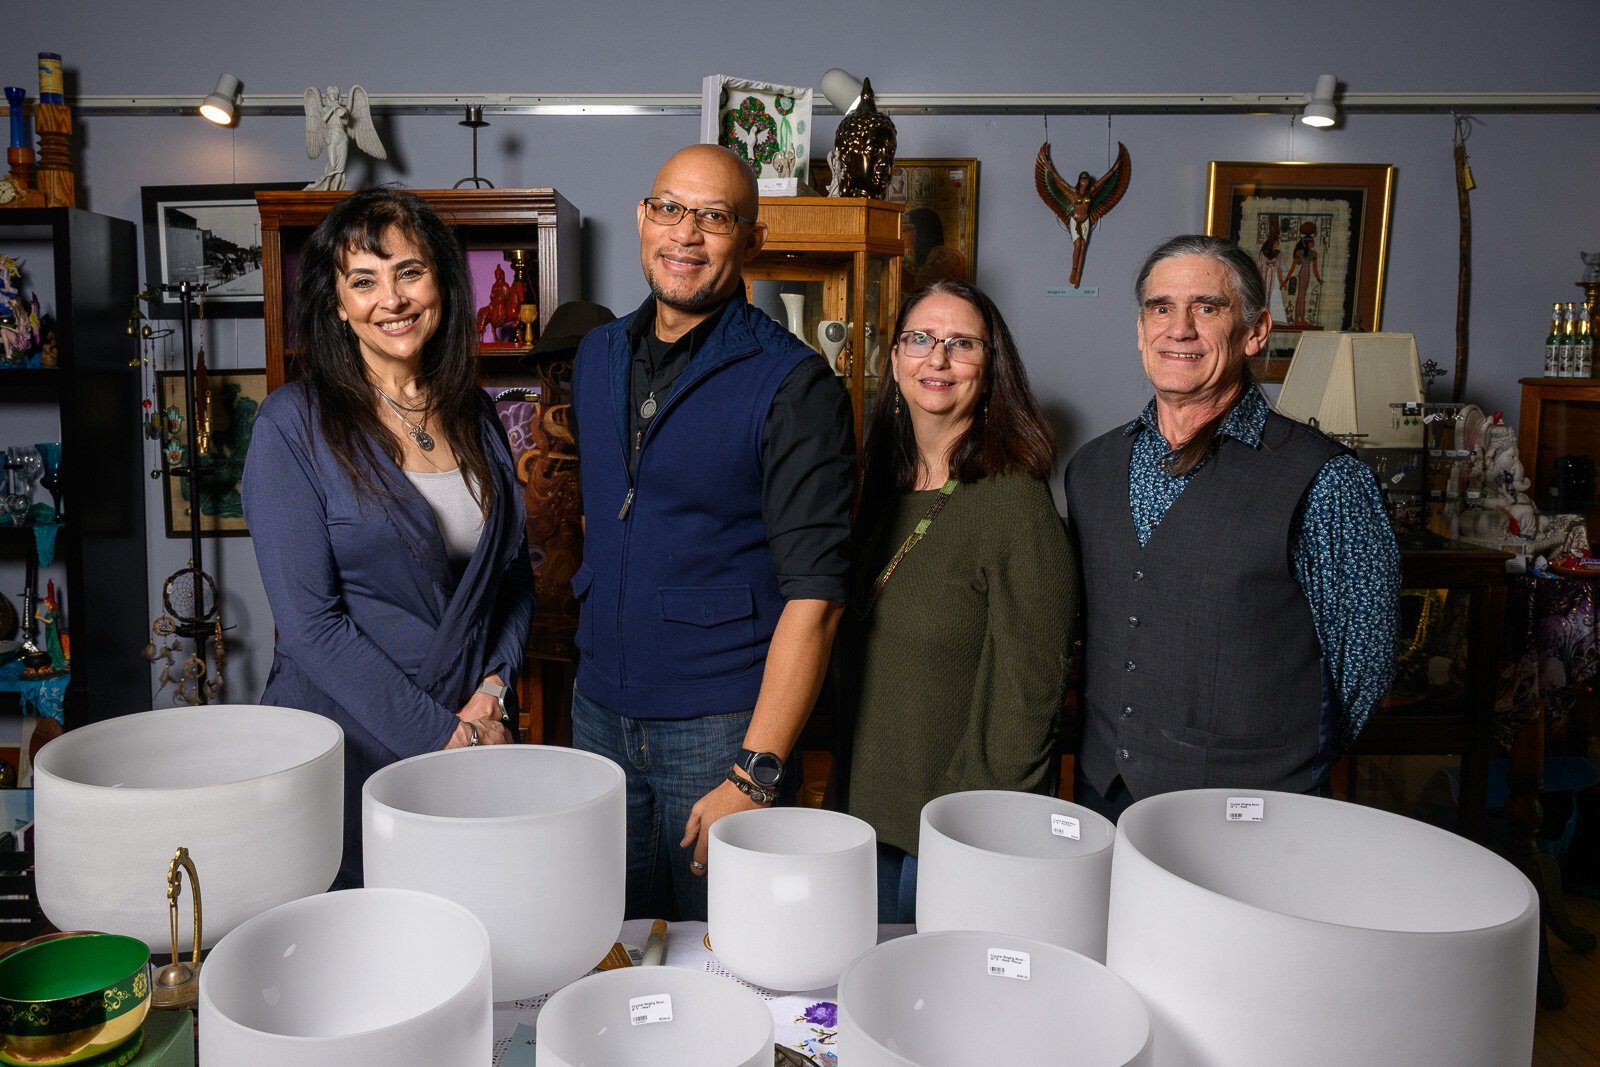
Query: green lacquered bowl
x=72 y=998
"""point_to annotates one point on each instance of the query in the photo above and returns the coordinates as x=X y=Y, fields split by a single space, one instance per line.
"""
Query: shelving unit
x=93 y=393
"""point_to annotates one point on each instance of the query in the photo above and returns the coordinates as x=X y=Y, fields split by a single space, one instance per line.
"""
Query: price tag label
x=1064 y=826
x=522 y=1052
x=1009 y=963
x=652 y=1009
x=1246 y=809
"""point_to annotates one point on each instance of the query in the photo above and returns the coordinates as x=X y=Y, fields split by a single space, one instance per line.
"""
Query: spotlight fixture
x=1320 y=111
x=221 y=106
x=842 y=89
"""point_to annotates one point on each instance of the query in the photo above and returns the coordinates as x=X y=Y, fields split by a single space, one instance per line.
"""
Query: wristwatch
x=497 y=691
x=764 y=768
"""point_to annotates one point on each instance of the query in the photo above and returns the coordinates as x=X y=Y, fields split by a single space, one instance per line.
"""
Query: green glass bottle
x=1583 y=364
x=1552 y=343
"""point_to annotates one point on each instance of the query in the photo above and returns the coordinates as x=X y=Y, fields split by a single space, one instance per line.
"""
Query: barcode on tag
x=651 y=1009
x=1246 y=809
x=1064 y=826
x=1009 y=963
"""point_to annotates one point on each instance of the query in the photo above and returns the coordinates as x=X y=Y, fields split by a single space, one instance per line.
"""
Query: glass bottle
x=1552 y=344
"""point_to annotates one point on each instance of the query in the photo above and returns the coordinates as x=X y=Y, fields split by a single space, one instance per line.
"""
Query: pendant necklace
x=647 y=410
x=422 y=437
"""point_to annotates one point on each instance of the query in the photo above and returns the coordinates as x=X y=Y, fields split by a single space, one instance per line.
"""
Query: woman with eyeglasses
x=386 y=514
x=953 y=659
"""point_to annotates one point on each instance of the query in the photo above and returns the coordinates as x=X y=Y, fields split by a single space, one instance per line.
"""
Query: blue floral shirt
x=1343 y=552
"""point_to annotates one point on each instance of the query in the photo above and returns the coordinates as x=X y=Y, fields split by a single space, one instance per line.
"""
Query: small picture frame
x=236 y=396
x=209 y=234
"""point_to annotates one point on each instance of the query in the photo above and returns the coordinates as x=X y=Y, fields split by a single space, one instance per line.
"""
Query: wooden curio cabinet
x=841 y=255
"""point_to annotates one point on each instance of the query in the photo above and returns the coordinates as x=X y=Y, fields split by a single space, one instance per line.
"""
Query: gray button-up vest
x=1201 y=667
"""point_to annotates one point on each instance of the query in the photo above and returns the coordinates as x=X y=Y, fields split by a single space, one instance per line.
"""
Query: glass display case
x=831 y=270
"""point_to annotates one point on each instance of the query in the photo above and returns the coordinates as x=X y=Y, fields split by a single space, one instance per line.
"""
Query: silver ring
x=697 y=865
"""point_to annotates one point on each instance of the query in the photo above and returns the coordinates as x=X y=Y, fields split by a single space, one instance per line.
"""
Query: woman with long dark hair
x=953 y=661
x=381 y=496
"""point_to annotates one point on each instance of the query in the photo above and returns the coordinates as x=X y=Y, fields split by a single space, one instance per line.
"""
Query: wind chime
x=189 y=597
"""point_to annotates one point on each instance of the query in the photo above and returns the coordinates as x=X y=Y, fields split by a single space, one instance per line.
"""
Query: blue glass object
x=15 y=95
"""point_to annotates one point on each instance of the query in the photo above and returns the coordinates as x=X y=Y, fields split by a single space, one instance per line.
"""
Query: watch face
x=764 y=768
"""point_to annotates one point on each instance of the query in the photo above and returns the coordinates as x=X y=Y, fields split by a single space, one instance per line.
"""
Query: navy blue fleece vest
x=678 y=598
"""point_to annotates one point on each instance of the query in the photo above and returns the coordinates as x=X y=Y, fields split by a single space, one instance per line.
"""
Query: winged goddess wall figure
x=330 y=124
x=1082 y=205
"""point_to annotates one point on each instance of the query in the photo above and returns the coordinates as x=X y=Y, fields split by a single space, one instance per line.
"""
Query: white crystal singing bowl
x=793 y=895
x=364 y=976
x=1327 y=933
x=532 y=839
x=255 y=793
x=714 y=1021
x=992 y=860
x=930 y=1000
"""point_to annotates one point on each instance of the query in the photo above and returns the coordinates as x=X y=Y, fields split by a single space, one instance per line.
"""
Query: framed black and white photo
x=205 y=234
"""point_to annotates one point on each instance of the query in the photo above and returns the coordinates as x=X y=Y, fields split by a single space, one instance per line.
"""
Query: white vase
x=793 y=895
x=794 y=306
x=615 y=1018
x=1008 y=862
x=530 y=838
x=1323 y=934
x=364 y=976
x=935 y=1000
x=255 y=793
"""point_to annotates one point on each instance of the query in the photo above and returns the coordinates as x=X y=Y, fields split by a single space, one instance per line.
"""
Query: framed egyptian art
x=226 y=424
x=940 y=224
x=1319 y=233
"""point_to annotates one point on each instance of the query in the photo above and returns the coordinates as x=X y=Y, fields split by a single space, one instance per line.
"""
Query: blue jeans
x=670 y=764
x=897 y=885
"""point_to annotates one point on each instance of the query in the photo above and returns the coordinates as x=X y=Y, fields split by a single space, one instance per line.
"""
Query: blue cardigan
x=374 y=630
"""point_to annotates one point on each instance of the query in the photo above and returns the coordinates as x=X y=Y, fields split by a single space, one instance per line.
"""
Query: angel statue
x=330 y=124
x=1082 y=205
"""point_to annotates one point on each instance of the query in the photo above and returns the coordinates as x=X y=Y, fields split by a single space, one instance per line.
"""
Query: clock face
x=834 y=332
x=8 y=190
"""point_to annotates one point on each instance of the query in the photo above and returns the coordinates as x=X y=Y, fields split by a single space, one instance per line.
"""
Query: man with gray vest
x=718 y=468
x=1241 y=578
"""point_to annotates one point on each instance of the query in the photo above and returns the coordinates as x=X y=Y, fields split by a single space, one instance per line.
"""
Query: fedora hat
x=566 y=328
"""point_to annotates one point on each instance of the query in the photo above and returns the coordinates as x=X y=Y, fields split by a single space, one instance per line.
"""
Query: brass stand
x=177 y=985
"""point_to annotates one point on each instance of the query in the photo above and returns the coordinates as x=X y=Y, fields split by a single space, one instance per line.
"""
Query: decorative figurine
x=19 y=319
x=1082 y=205
x=1591 y=266
x=330 y=124
x=499 y=315
x=49 y=614
x=863 y=149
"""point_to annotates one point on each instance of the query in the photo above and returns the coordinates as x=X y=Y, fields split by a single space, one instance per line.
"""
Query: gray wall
x=1535 y=206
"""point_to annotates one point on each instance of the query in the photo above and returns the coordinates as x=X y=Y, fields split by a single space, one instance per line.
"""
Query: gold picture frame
x=1319 y=232
x=236 y=396
x=940 y=224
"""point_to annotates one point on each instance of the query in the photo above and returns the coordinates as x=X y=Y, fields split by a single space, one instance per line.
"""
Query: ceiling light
x=220 y=107
x=1320 y=111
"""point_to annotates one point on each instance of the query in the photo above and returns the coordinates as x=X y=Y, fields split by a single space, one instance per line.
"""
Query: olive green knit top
x=954 y=678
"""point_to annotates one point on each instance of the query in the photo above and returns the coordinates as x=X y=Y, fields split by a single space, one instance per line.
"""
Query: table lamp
x=793 y=895
x=1346 y=382
x=531 y=839
x=1269 y=928
x=962 y=997
x=253 y=796
x=1015 y=863
x=655 y=1017
x=364 y=976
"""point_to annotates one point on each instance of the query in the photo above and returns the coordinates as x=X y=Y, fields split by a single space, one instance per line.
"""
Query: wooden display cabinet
x=539 y=220
x=843 y=255
x=1560 y=417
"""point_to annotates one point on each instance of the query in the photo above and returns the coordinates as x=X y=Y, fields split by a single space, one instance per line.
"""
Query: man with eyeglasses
x=718 y=468
x=1241 y=576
